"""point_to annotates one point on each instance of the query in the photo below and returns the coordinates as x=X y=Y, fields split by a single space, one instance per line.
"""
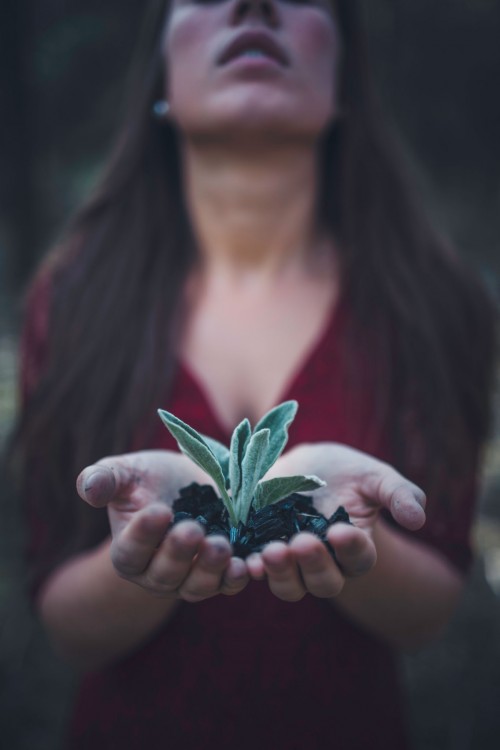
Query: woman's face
x=239 y=66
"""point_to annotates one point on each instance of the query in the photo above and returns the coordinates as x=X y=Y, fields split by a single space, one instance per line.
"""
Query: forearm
x=93 y=616
x=409 y=595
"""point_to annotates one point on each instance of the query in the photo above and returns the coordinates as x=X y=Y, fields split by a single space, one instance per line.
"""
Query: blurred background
x=63 y=72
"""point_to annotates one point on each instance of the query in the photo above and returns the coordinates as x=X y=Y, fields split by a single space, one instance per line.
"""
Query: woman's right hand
x=138 y=490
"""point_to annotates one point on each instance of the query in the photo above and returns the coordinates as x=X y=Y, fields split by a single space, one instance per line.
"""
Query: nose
x=265 y=10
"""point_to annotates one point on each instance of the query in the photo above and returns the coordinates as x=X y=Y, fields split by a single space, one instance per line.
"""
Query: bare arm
x=93 y=616
x=100 y=605
x=408 y=596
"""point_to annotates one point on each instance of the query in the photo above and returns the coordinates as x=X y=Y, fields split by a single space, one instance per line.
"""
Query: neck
x=253 y=214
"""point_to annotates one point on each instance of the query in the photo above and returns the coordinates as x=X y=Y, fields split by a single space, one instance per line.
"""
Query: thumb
x=405 y=501
x=105 y=481
x=407 y=506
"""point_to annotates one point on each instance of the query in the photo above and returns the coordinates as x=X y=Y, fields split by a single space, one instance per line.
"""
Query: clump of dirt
x=277 y=522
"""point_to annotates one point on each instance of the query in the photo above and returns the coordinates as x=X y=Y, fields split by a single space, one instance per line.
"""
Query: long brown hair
x=116 y=281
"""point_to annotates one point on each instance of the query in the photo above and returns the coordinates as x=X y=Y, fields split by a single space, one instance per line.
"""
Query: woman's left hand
x=363 y=485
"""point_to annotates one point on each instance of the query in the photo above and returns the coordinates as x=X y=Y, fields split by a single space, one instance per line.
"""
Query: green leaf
x=221 y=453
x=277 y=421
x=193 y=445
x=252 y=470
x=276 y=489
x=239 y=442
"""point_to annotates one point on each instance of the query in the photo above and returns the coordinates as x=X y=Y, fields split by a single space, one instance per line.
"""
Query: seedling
x=238 y=471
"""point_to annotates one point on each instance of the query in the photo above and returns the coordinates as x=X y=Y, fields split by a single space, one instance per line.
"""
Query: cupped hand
x=364 y=486
x=138 y=490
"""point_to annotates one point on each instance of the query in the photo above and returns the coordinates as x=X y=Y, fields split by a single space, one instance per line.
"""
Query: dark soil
x=277 y=522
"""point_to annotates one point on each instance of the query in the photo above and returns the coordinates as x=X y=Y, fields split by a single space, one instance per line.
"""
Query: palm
x=138 y=490
x=153 y=477
x=361 y=483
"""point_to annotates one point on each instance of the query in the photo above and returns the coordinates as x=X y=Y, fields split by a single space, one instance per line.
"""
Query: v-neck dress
x=252 y=672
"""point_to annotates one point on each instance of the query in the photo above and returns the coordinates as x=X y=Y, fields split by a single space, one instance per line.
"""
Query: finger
x=402 y=498
x=174 y=558
x=407 y=506
x=205 y=577
x=255 y=566
x=282 y=572
x=105 y=481
x=354 y=549
x=133 y=549
x=321 y=576
x=235 y=577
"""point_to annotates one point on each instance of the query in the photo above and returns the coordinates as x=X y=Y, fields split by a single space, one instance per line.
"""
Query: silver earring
x=160 y=109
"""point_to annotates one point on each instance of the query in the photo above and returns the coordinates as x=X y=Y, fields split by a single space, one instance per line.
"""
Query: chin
x=275 y=122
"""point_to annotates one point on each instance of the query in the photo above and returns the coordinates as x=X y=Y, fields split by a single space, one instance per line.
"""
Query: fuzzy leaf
x=221 y=453
x=239 y=442
x=277 y=421
x=252 y=470
x=193 y=445
x=276 y=489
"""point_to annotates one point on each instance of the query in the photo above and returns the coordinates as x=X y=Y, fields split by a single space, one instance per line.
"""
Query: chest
x=244 y=353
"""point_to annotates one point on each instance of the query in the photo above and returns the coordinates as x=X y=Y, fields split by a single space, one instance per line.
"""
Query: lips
x=248 y=41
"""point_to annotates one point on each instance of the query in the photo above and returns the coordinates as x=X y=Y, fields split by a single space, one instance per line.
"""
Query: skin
x=249 y=140
x=213 y=102
x=181 y=563
x=168 y=564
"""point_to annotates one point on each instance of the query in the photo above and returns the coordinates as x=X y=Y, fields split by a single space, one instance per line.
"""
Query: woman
x=255 y=242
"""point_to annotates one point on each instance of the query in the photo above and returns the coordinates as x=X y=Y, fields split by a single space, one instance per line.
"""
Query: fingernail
x=238 y=569
x=90 y=482
x=253 y=558
x=97 y=484
x=217 y=550
x=154 y=512
x=277 y=564
x=189 y=532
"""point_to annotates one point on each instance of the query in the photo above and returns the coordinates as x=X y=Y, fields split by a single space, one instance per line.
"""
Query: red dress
x=252 y=672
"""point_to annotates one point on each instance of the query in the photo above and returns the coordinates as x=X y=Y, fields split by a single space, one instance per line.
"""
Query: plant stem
x=233 y=534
